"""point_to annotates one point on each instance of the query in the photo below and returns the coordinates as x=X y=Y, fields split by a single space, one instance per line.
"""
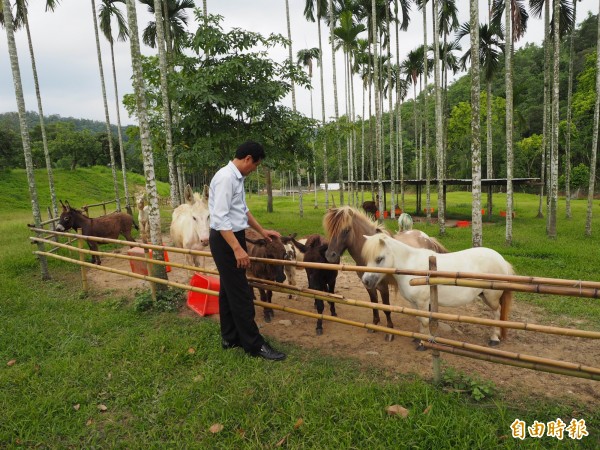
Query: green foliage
x=167 y=300
x=475 y=387
x=580 y=177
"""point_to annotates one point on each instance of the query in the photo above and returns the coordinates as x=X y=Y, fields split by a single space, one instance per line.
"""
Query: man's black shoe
x=268 y=352
x=227 y=345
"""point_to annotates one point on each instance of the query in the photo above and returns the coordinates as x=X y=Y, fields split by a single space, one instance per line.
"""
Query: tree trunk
x=439 y=126
x=119 y=131
x=147 y=154
x=588 y=221
x=16 y=73
x=106 y=115
x=569 y=117
x=477 y=232
x=325 y=165
x=391 y=117
x=41 y=113
x=378 y=152
x=555 y=123
x=509 y=121
x=335 y=104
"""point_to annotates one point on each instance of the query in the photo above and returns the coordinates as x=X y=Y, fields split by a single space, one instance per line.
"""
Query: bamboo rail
x=286 y=289
x=577 y=369
x=504 y=285
x=457 y=347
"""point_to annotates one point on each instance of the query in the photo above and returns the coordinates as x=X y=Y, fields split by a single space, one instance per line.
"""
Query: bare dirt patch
x=400 y=356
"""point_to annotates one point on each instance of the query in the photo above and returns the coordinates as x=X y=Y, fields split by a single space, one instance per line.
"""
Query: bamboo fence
x=433 y=278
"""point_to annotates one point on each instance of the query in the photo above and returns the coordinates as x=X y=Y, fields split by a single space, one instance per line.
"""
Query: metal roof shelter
x=488 y=183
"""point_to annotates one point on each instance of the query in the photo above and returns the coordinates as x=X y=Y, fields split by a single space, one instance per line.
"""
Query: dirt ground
x=400 y=356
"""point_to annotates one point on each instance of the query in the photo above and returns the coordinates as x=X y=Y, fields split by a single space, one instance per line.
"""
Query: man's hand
x=242 y=258
x=269 y=234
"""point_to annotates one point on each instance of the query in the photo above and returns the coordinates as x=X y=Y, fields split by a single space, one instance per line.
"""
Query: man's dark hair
x=251 y=148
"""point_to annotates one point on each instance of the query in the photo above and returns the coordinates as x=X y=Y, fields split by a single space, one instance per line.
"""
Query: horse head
x=66 y=219
x=376 y=253
x=270 y=250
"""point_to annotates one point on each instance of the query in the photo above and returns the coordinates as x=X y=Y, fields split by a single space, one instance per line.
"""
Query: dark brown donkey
x=258 y=247
x=109 y=226
x=318 y=279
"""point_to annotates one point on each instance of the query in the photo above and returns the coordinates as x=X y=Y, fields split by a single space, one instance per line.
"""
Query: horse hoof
x=421 y=347
x=319 y=331
x=267 y=318
x=493 y=343
x=333 y=314
x=389 y=337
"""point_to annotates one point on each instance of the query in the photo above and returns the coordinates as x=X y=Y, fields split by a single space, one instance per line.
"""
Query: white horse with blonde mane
x=383 y=251
x=190 y=225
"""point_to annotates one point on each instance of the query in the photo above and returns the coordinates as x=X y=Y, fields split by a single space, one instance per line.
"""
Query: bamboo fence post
x=149 y=269
x=433 y=323
x=83 y=269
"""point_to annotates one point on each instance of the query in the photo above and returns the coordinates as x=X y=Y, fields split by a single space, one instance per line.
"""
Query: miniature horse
x=109 y=226
x=191 y=224
x=346 y=228
x=318 y=279
x=382 y=251
x=259 y=248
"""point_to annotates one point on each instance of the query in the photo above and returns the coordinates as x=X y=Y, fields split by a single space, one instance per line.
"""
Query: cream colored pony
x=383 y=251
x=190 y=225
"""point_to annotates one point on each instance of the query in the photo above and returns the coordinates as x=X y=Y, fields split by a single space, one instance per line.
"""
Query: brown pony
x=109 y=226
x=346 y=228
x=258 y=247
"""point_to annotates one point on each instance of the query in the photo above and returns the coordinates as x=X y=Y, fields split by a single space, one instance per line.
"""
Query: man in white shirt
x=229 y=218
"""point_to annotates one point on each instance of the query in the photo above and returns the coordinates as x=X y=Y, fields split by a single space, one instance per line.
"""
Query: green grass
x=76 y=353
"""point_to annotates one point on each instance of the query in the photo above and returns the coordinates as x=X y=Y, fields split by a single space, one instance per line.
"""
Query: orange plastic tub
x=204 y=304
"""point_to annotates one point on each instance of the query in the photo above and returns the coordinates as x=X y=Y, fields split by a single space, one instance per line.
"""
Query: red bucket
x=204 y=304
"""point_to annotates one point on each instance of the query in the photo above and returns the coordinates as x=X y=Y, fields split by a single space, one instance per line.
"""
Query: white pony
x=383 y=251
x=143 y=218
x=190 y=225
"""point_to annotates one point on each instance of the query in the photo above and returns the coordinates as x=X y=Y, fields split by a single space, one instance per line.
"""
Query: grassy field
x=81 y=371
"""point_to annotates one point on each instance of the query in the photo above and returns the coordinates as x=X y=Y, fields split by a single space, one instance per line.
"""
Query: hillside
x=80 y=186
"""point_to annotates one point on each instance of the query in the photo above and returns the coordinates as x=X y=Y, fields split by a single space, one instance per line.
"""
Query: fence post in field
x=83 y=269
x=433 y=323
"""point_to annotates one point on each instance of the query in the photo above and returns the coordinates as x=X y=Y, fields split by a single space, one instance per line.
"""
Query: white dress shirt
x=227 y=200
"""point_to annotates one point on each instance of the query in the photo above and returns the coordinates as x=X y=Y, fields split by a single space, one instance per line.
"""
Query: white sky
x=67 y=64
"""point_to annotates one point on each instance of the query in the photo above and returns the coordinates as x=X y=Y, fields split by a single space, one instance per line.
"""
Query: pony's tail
x=505 y=306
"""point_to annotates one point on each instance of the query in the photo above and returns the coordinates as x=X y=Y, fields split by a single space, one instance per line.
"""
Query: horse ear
x=188 y=194
x=205 y=192
x=68 y=206
x=62 y=204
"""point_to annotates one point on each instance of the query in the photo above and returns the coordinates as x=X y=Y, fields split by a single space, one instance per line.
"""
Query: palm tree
x=490 y=48
x=475 y=129
x=305 y=58
x=21 y=18
x=16 y=73
x=176 y=18
x=166 y=107
x=335 y=102
x=439 y=126
x=569 y=116
x=289 y=30
x=320 y=8
x=378 y=151
x=106 y=115
x=108 y=10
x=346 y=38
x=588 y=221
x=412 y=66
x=148 y=157
x=515 y=24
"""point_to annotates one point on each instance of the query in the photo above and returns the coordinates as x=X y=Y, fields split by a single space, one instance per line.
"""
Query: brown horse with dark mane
x=346 y=228
x=109 y=226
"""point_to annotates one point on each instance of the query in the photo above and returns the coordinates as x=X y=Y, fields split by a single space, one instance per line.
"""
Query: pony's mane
x=337 y=219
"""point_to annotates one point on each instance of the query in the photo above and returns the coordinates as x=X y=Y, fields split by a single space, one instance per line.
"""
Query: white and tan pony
x=190 y=225
x=383 y=251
